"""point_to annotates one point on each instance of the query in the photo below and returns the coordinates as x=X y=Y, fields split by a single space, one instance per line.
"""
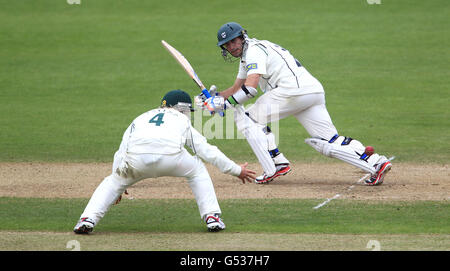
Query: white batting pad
x=256 y=138
x=348 y=153
x=280 y=159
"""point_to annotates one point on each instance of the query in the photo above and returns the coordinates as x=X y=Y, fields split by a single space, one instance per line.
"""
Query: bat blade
x=186 y=66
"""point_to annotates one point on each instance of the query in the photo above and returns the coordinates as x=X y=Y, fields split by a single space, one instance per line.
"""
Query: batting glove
x=215 y=104
x=213 y=90
x=200 y=99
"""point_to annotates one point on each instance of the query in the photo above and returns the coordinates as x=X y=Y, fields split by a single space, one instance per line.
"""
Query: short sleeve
x=256 y=59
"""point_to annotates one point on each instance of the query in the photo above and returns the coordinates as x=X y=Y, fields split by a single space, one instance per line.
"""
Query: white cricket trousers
x=308 y=109
x=145 y=166
x=311 y=112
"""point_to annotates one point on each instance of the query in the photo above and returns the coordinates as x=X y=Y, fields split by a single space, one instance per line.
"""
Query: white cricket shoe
x=84 y=225
x=214 y=222
x=282 y=170
x=378 y=177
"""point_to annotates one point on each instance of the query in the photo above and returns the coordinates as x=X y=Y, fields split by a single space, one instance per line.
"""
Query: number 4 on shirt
x=157 y=119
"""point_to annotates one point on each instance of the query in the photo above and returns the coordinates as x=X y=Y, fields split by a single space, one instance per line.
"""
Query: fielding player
x=289 y=90
x=153 y=146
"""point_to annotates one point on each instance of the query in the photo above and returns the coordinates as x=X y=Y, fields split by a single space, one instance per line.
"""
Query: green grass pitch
x=72 y=78
x=268 y=215
x=277 y=224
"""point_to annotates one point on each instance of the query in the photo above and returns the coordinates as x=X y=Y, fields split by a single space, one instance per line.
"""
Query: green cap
x=175 y=97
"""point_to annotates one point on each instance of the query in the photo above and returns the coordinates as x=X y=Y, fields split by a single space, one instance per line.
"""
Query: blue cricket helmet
x=228 y=32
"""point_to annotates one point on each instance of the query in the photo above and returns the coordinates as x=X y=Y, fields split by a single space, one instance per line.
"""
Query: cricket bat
x=186 y=66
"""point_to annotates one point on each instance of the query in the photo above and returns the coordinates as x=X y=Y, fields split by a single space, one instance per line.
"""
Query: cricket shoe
x=214 y=223
x=282 y=169
x=378 y=177
x=84 y=225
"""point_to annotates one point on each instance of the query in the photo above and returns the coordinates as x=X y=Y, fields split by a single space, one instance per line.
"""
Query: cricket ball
x=369 y=150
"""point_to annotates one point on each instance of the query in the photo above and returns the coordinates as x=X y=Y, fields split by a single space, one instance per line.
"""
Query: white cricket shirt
x=277 y=67
x=167 y=131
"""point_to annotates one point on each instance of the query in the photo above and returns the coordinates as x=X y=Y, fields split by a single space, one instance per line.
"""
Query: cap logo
x=224 y=35
x=163 y=104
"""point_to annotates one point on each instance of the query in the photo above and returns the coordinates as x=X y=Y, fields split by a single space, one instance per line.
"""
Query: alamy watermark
x=73 y=245
x=372 y=2
x=229 y=126
x=374 y=245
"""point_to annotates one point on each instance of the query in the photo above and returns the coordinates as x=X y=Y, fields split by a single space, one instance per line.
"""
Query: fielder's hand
x=246 y=174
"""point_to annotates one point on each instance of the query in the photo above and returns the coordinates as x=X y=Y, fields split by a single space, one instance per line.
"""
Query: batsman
x=288 y=90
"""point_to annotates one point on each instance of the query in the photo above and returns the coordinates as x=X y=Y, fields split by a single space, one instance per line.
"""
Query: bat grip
x=206 y=93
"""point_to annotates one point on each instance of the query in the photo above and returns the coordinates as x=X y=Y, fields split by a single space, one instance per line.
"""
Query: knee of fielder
x=113 y=186
x=104 y=196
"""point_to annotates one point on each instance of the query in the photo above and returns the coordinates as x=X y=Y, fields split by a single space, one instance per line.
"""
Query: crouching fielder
x=153 y=146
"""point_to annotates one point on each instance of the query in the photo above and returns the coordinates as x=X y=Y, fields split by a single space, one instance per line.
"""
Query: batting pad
x=256 y=138
x=258 y=142
x=350 y=153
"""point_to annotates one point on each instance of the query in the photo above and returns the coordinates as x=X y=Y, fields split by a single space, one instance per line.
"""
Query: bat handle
x=208 y=95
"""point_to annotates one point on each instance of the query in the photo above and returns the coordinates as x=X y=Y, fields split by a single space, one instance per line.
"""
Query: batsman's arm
x=241 y=91
x=251 y=81
x=233 y=89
